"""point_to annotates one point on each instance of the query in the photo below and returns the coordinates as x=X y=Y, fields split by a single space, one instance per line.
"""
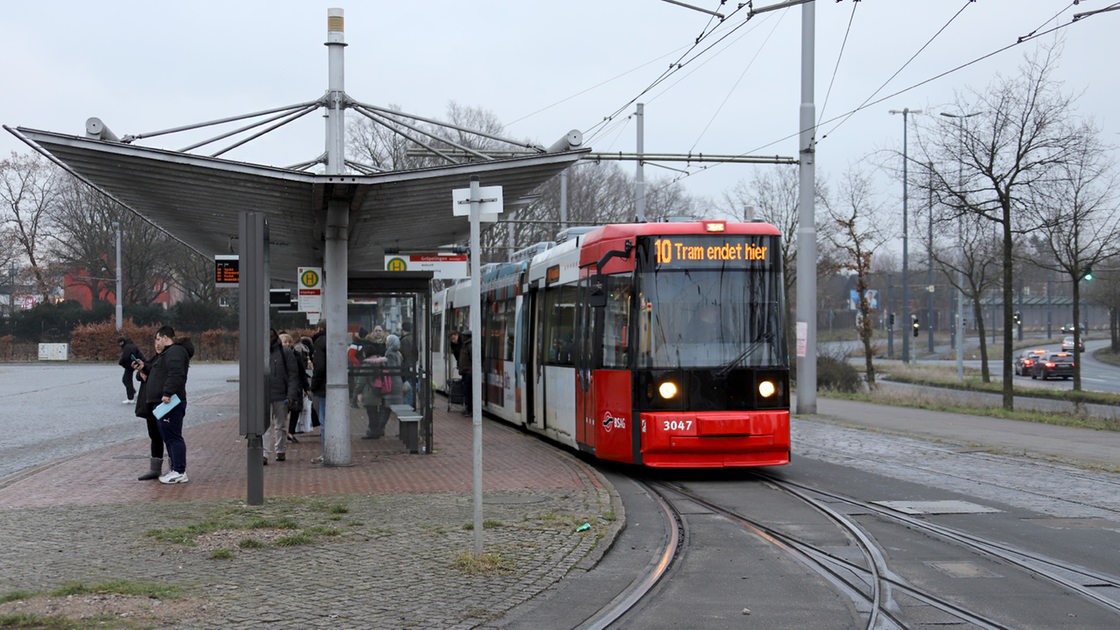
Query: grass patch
x=294 y=540
x=488 y=523
x=300 y=521
x=15 y=596
x=221 y=554
x=484 y=564
x=120 y=587
x=944 y=377
x=41 y=622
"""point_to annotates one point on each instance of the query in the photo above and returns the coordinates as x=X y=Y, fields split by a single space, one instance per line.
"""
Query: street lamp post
x=960 y=233
x=905 y=228
x=120 y=307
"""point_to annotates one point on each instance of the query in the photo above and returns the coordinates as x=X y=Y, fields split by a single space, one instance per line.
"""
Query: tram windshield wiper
x=748 y=351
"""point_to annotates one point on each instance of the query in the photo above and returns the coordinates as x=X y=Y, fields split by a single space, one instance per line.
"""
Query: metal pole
x=118 y=300
x=929 y=263
x=336 y=121
x=807 y=225
x=960 y=238
x=906 y=111
x=252 y=291
x=890 y=326
x=564 y=199
x=640 y=182
x=336 y=426
x=476 y=363
x=1049 y=305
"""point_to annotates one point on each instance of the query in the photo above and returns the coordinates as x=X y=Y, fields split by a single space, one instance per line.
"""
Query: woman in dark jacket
x=144 y=410
x=166 y=378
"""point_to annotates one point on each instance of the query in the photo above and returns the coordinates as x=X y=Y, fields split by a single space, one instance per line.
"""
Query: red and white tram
x=656 y=344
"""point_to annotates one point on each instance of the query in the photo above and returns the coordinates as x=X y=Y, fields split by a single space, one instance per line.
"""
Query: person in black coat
x=283 y=388
x=464 y=360
x=319 y=380
x=166 y=380
x=130 y=352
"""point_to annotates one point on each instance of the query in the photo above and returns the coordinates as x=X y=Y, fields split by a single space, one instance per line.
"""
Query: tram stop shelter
x=278 y=219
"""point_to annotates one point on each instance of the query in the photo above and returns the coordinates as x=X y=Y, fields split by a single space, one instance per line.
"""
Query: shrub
x=837 y=374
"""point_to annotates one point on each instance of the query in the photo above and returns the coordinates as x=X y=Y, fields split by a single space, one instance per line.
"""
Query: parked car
x=1067 y=345
x=1059 y=364
x=1024 y=363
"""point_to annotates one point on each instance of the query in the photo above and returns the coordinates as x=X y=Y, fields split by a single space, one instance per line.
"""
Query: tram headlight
x=766 y=389
x=667 y=389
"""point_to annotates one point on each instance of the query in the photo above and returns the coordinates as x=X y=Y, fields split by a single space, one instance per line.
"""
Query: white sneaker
x=173 y=477
x=127 y=401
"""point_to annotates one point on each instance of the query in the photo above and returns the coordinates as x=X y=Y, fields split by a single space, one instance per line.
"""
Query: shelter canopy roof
x=198 y=199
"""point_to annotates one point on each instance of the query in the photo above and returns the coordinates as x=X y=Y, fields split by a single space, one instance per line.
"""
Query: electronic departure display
x=227 y=271
x=689 y=251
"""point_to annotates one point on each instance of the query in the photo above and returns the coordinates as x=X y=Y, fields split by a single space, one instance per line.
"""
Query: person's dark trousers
x=171 y=428
x=155 y=436
x=129 y=387
x=468 y=397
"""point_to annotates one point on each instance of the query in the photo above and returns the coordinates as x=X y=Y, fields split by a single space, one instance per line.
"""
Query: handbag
x=303 y=424
x=384 y=384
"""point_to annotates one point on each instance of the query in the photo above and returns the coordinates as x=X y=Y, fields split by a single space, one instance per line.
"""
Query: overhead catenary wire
x=871 y=103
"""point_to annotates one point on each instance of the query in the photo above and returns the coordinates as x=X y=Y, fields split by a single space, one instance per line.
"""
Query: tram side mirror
x=597 y=291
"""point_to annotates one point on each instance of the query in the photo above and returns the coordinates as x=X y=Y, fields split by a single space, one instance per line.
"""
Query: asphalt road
x=54 y=410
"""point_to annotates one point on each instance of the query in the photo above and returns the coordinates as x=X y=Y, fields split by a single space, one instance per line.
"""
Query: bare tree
x=83 y=242
x=857 y=235
x=28 y=194
x=1077 y=212
x=773 y=195
x=596 y=193
x=986 y=166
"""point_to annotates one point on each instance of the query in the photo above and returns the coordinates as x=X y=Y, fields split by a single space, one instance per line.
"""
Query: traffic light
x=890 y=322
x=1018 y=318
x=915 y=325
x=1088 y=275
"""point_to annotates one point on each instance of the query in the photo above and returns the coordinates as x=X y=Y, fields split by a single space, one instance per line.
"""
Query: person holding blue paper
x=165 y=382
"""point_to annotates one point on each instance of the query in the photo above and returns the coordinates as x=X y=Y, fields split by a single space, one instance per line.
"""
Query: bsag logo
x=610 y=422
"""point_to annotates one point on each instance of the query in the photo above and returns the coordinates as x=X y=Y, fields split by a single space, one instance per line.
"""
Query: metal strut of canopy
x=392 y=120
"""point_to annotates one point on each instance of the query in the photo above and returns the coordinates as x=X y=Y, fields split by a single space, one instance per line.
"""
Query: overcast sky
x=543 y=68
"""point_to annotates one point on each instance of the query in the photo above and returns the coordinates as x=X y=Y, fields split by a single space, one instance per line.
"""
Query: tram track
x=658 y=566
x=1080 y=580
x=871 y=586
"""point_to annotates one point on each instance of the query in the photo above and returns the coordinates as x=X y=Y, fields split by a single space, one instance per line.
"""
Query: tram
x=654 y=344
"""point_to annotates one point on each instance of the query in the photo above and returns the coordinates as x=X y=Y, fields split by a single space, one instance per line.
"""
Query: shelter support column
x=336 y=427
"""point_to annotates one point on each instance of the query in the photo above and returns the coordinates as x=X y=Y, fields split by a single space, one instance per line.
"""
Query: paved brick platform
x=403 y=526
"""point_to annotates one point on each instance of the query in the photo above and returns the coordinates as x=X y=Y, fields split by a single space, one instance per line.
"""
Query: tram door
x=535 y=403
x=584 y=363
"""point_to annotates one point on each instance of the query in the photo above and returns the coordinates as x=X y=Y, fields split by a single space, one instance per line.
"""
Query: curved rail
x=657 y=568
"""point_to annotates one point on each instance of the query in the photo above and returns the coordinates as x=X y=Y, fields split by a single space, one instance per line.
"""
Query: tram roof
x=198 y=199
x=622 y=230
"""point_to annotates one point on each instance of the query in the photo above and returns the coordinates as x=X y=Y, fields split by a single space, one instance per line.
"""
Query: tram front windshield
x=704 y=318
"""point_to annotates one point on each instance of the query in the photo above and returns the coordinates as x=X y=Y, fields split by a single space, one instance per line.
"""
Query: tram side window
x=616 y=323
x=560 y=309
x=495 y=328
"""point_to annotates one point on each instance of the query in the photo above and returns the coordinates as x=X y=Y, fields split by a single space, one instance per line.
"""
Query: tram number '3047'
x=676 y=425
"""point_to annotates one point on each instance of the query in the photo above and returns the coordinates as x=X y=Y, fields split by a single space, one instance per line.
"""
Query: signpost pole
x=476 y=363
